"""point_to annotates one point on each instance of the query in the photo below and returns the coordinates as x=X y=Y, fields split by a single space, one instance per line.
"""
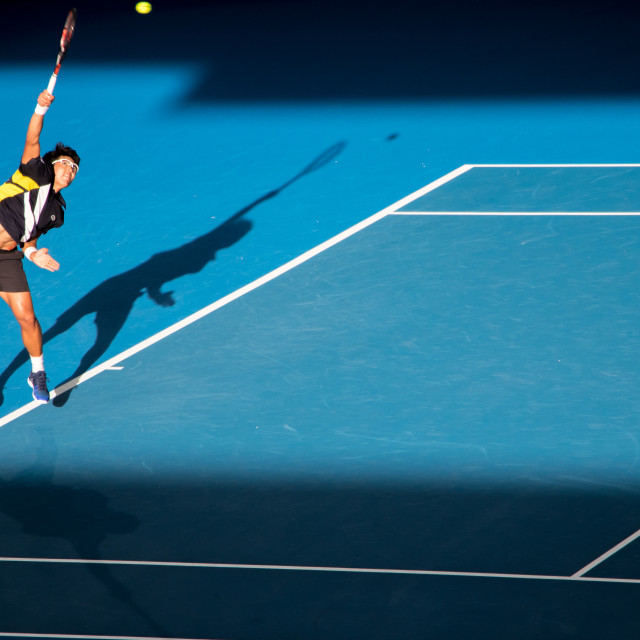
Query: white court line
x=552 y=166
x=607 y=554
x=430 y=187
x=110 y=364
x=516 y=213
x=285 y=567
x=528 y=213
x=84 y=636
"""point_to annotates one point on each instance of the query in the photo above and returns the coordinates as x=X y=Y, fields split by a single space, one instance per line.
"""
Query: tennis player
x=30 y=205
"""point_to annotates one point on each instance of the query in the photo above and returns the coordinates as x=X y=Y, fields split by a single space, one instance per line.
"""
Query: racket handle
x=52 y=83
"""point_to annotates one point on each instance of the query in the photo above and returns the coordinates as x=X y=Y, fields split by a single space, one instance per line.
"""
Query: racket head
x=67 y=32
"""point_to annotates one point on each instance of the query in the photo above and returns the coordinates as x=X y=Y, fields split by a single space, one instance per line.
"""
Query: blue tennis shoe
x=38 y=382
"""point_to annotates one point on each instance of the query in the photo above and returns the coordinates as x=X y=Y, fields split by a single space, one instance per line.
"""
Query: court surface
x=341 y=367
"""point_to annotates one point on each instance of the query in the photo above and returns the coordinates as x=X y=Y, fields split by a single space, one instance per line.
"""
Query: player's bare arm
x=31 y=150
x=32 y=142
x=40 y=257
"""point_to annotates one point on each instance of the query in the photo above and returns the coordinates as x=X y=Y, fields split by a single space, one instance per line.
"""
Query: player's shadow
x=80 y=517
x=112 y=300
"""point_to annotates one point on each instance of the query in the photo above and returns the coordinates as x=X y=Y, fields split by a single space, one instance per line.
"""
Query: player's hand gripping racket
x=67 y=33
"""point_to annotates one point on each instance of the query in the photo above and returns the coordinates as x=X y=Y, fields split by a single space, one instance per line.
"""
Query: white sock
x=37 y=364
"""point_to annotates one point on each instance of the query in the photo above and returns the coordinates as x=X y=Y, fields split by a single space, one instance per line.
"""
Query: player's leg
x=14 y=290
x=21 y=306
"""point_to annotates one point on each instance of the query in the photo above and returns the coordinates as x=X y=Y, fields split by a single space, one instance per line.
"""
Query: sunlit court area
x=345 y=338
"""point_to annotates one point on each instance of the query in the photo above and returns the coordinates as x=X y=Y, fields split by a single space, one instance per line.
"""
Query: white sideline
x=112 y=362
x=607 y=554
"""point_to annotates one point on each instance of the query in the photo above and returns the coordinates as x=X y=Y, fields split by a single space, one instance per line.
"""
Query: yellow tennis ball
x=144 y=7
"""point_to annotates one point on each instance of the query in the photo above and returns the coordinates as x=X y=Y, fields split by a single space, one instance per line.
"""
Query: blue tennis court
x=330 y=361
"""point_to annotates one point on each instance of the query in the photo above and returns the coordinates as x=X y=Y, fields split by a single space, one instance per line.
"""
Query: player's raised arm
x=32 y=143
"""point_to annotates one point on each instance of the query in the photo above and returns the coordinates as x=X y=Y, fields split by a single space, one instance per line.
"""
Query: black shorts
x=12 y=276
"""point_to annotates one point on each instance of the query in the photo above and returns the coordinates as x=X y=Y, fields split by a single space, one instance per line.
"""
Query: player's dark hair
x=62 y=150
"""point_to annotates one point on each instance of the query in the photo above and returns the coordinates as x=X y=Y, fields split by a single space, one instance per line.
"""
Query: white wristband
x=28 y=252
x=40 y=110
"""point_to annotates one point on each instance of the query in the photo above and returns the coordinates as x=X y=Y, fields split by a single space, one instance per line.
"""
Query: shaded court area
x=426 y=425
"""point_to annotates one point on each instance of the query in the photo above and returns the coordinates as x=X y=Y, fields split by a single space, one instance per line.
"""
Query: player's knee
x=27 y=320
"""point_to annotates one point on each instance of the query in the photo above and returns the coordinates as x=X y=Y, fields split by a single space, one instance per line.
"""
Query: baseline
x=515 y=213
x=538 y=189
x=280 y=567
x=555 y=165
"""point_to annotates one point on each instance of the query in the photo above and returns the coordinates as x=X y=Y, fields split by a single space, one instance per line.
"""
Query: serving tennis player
x=30 y=205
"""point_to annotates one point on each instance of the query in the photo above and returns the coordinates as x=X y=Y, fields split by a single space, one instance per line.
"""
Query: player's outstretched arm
x=40 y=257
x=32 y=143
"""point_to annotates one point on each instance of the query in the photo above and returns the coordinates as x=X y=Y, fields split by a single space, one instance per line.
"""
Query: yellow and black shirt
x=28 y=205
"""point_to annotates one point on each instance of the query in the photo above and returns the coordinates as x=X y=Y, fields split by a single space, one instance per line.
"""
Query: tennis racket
x=67 y=33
